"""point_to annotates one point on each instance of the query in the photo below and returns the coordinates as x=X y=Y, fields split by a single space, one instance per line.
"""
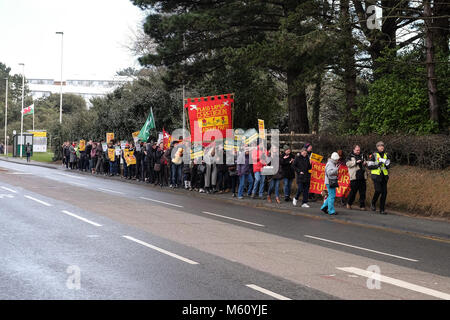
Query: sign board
x=316 y=157
x=262 y=132
x=39 y=141
x=109 y=137
x=317 y=184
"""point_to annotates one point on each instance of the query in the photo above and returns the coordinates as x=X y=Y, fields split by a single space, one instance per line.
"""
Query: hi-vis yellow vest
x=382 y=167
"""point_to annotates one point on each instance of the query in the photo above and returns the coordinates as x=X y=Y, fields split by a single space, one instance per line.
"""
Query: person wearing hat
x=288 y=172
x=379 y=165
x=331 y=177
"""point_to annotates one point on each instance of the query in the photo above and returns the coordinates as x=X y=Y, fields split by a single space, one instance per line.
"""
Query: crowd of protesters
x=244 y=175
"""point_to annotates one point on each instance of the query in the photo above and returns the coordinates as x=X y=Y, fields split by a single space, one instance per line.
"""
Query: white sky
x=95 y=33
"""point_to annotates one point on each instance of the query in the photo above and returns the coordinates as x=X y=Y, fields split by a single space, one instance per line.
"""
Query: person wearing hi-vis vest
x=379 y=165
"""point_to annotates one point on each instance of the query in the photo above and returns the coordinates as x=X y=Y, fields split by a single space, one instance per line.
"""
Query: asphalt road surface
x=65 y=235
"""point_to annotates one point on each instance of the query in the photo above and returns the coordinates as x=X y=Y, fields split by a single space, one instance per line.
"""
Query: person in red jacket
x=259 y=157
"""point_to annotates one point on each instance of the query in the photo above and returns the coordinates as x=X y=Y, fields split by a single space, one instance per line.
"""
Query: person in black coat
x=302 y=165
x=286 y=161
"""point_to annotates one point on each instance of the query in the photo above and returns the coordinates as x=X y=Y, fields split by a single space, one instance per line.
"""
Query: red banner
x=212 y=113
x=318 y=179
x=166 y=139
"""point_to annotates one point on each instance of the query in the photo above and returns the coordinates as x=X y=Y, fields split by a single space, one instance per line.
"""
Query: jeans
x=242 y=183
x=302 y=187
x=125 y=169
x=112 y=167
x=234 y=180
x=287 y=187
x=355 y=187
x=274 y=184
x=176 y=174
x=259 y=182
x=329 y=202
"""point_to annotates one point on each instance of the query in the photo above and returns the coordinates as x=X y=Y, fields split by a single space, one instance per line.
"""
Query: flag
x=28 y=110
x=166 y=139
x=148 y=125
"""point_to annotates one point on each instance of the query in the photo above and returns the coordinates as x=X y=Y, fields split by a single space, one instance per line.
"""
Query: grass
x=39 y=156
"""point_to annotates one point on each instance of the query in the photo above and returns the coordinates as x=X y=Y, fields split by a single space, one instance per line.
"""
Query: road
x=65 y=235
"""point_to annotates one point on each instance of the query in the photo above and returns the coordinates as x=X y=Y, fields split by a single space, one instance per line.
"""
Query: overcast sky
x=95 y=33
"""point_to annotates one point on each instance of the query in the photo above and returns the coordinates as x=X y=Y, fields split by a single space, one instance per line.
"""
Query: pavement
x=69 y=235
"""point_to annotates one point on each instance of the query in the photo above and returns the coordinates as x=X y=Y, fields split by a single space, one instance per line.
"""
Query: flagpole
x=6 y=118
x=33 y=116
x=21 y=117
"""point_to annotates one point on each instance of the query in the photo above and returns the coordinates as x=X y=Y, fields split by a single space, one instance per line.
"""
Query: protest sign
x=104 y=147
x=211 y=113
x=82 y=145
x=262 y=132
x=316 y=157
x=317 y=183
x=111 y=154
x=109 y=137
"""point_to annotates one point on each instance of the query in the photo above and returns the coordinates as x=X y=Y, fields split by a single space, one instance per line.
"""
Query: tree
x=196 y=38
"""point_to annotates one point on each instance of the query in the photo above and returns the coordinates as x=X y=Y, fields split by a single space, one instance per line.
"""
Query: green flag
x=148 y=125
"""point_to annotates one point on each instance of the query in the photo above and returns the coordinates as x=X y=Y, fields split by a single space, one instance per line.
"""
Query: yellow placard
x=82 y=146
x=111 y=154
x=316 y=157
x=109 y=137
x=262 y=133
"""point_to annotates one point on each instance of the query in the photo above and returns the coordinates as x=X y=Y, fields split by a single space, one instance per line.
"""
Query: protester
x=331 y=181
x=244 y=169
x=222 y=171
x=233 y=174
x=379 y=164
x=211 y=170
x=274 y=180
x=288 y=172
x=259 y=156
x=177 y=162
x=28 y=149
x=302 y=167
x=157 y=167
x=358 y=175
x=99 y=154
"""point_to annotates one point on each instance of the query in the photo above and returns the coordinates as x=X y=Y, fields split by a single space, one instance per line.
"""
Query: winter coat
x=259 y=158
x=244 y=166
x=302 y=165
x=286 y=167
x=331 y=171
x=356 y=170
x=279 y=174
x=73 y=156
x=178 y=159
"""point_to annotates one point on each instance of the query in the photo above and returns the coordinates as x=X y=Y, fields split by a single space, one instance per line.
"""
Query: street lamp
x=60 y=83
x=6 y=117
x=21 y=112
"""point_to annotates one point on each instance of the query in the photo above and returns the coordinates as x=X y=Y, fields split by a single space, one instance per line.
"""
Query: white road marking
x=396 y=282
x=19 y=173
x=360 y=248
x=268 y=292
x=81 y=218
x=10 y=196
x=109 y=190
x=218 y=215
x=170 y=204
x=173 y=255
x=39 y=201
x=77 y=184
x=71 y=176
x=8 y=189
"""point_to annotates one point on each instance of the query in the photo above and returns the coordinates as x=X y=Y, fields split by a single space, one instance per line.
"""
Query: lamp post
x=61 y=83
x=6 y=118
x=21 y=111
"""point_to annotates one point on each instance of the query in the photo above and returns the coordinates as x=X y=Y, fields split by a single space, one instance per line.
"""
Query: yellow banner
x=111 y=154
x=109 y=137
x=262 y=133
x=316 y=157
x=82 y=146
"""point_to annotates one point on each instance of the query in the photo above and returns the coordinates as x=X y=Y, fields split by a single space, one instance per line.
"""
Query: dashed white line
x=19 y=173
x=77 y=184
x=396 y=282
x=244 y=221
x=10 y=190
x=361 y=248
x=268 y=292
x=173 y=255
x=39 y=201
x=168 y=203
x=109 y=190
x=81 y=218
x=71 y=176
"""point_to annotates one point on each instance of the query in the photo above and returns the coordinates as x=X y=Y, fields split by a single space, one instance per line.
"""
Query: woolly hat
x=335 y=156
